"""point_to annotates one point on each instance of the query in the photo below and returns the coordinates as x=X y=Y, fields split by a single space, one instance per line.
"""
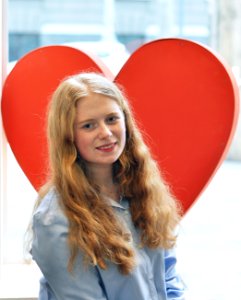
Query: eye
x=112 y=119
x=88 y=126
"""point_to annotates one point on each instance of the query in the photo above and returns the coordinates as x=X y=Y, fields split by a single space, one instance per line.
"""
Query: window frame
x=3 y=143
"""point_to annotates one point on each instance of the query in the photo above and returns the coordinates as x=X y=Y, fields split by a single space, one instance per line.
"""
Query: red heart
x=183 y=95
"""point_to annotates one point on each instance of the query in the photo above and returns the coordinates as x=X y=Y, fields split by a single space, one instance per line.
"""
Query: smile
x=107 y=147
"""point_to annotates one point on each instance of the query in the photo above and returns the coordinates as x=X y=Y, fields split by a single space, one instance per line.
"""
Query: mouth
x=107 y=147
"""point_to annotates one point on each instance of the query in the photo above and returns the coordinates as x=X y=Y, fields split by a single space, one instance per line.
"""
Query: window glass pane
x=34 y=23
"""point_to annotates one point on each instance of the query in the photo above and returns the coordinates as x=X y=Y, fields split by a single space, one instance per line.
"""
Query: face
x=99 y=130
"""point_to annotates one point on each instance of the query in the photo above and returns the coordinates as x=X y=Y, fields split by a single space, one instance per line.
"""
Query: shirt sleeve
x=175 y=287
x=51 y=252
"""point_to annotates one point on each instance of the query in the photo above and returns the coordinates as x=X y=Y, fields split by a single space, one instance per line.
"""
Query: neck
x=103 y=177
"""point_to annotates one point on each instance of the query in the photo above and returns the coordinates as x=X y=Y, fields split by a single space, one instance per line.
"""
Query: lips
x=107 y=147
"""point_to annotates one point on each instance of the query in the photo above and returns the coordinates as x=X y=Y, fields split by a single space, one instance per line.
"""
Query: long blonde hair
x=94 y=229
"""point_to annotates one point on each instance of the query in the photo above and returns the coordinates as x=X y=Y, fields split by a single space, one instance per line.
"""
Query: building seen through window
x=116 y=26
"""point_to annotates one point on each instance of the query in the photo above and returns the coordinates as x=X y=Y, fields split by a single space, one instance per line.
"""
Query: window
x=209 y=242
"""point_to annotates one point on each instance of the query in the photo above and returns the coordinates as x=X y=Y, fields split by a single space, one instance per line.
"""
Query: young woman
x=104 y=224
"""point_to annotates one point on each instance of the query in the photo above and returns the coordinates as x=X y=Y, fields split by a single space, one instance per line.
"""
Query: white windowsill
x=19 y=281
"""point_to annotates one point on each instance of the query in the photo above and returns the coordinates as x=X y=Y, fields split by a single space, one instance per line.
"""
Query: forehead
x=95 y=105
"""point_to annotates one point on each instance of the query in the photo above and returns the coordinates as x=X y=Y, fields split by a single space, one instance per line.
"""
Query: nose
x=104 y=131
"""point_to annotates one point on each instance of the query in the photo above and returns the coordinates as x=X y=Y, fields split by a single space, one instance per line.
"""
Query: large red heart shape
x=184 y=97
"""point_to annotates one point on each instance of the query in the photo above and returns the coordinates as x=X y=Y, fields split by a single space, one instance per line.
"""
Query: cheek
x=81 y=143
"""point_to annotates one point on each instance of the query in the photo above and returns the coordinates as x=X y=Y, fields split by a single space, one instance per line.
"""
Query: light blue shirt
x=153 y=278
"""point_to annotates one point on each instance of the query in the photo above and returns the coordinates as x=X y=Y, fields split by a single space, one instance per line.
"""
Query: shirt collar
x=122 y=204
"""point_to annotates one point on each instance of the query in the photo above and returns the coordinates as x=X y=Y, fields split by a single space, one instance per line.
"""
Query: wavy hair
x=94 y=229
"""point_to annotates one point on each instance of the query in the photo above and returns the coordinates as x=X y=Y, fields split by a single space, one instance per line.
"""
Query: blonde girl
x=104 y=223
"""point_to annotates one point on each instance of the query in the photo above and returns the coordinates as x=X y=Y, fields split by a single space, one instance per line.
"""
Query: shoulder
x=49 y=210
